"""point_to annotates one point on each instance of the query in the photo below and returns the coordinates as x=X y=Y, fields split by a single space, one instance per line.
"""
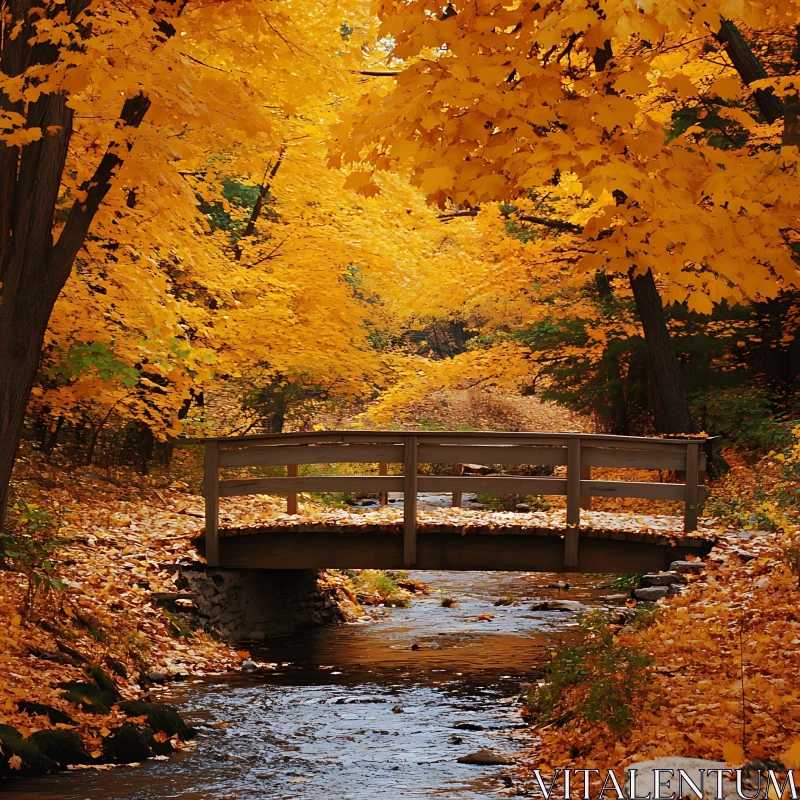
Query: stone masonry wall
x=253 y=604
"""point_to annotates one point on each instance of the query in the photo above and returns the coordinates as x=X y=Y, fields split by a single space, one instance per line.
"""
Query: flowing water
x=381 y=709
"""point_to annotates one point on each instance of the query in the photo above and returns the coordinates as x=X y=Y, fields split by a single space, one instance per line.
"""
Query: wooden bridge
x=414 y=542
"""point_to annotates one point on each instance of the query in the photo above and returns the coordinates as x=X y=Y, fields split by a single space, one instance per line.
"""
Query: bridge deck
x=453 y=541
x=461 y=540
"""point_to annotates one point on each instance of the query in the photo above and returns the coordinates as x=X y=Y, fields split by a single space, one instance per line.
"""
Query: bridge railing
x=579 y=452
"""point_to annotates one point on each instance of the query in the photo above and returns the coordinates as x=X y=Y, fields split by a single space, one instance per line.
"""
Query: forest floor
x=733 y=637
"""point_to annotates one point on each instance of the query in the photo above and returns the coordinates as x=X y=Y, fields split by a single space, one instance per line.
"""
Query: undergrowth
x=597 y=679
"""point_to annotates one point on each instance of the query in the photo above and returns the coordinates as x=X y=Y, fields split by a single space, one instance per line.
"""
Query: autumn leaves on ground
x=251 y=216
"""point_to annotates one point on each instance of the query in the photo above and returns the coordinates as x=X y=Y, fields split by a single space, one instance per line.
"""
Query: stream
x=360 y=711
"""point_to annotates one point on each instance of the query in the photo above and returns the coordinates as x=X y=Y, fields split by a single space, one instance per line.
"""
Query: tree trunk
x=672 y=410
x=24 y=314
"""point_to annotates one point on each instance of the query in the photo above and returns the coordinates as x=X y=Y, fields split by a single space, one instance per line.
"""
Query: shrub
x=598 y=679
x=28 y=546
x=624 y=582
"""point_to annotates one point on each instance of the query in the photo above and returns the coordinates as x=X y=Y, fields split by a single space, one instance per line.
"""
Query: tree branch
x=750 y=69
x=556 y=224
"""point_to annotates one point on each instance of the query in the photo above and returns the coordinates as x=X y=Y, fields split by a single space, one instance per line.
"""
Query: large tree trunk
x=671 y=414
x=23 y=323
x=34 y=267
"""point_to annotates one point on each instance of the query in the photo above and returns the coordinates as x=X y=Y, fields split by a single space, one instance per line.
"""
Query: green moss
x=177 y=627
x=34 y=762
x=127 y=744
x=63 y=747
x=117 y=667
x=161 y=717
x=97 y=696
x=101 y=678
x=89 y=696
x=55 y=716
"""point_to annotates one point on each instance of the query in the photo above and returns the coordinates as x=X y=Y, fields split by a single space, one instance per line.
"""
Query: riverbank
x=723 y=655
x=362 y=711
x=91 y=615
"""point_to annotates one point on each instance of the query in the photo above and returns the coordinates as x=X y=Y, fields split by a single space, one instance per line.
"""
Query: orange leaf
x=733 y=753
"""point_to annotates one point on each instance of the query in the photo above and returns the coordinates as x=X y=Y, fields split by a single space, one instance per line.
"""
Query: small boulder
x=558 y=605
x=249 y=665
x=615 y=598
x=687 y=567
x=522 y=507
x=256 y=636
x=485 y=758
x=127 y=744
x=33 y=761
x=161 y=717
x=154 y=676
x=662 y=578
x=646 y=777
x=651 y=592
x=63 y=747
x=468 y=726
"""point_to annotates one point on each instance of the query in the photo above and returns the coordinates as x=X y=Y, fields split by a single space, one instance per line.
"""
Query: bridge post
x=383 y=469
x=573 y=502
x=291 y=497
x=211 y=493
x=458 y=469
x=586 y=475
x=410 y=501
x=692 y=491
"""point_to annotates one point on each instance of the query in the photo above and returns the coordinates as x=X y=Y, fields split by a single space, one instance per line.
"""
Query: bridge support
x=410 y=468
x=211 y=492
x=573 y=503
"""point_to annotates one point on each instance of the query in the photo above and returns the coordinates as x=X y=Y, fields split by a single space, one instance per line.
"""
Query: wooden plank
x=491 y=454
x=311 y=483
x=291 y=498
x=455 y=437
x=692 y=497
x=383 y=469
x=493 y=438
x=574 y=482
x=667 y=458
x=458 y=500
x=586 y=475
x=410 y=468
x=636 y=489
x=447 y=550
x=293 y=454
x=211 y=493
x=497 y=484
x=571 y=537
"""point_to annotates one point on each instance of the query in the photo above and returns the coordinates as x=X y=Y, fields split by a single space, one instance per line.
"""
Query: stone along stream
x=360 y=711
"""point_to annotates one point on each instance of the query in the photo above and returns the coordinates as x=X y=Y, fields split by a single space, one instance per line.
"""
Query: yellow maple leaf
x=733 y=753
x=15 y=762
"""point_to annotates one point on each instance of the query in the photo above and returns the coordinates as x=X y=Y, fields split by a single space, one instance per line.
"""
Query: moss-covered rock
x=129 y=743
x=63 y=747
x=55 y=716
x=102 y=679
x=34 y=762
x=117 y=667
x=89 y=696
x=97 y=696
x=161 y=717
